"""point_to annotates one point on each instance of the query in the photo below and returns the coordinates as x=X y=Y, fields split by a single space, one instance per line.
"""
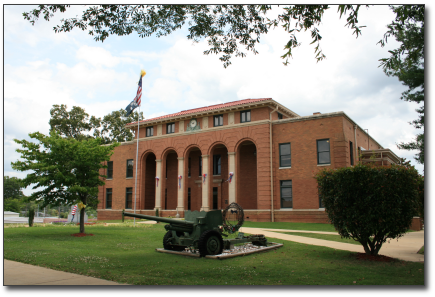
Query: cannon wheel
x=168 y=246
x=210 y=243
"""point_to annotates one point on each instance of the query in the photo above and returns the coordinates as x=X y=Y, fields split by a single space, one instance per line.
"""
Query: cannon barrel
x=159 y=219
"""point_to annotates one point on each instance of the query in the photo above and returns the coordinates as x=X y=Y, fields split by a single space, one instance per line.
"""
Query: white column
x=180 y=193
x=205 y=185
x=232 y=185
x=158 y=204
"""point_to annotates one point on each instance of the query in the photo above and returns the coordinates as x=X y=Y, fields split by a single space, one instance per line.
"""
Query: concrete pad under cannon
x=224 y=256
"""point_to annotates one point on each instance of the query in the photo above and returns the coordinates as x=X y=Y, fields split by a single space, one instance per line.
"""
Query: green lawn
x=126 y=254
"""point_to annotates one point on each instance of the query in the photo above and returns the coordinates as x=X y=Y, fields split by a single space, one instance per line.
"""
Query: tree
x=13 y=204
x=407 y=64
x=77 y=124
x=225 y=27
x=64 y=170
x=113 y=126
x=370 y=204
x=12 y=188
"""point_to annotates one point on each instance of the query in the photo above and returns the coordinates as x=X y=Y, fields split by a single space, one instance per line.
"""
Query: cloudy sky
x=42 y=68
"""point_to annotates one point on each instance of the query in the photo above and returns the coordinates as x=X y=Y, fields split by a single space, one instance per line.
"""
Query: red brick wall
x=361 y=140
x=303 y=136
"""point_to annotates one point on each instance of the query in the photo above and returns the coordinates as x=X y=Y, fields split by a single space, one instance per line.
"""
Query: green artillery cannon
x=204 y=230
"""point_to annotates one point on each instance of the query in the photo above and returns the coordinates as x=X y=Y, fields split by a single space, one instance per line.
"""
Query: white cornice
x=251 y=105
x=186 y=133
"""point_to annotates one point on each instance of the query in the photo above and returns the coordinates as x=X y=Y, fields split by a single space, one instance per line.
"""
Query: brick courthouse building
x=256 y=142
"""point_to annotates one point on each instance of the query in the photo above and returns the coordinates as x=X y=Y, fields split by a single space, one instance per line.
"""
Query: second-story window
x=218 y=120
x=130 y=168
x=285 y=159
x=170 y=128
x=323 y=152
x=279 y=116
x=245 y=116
x=150 y=131
x=110 y=169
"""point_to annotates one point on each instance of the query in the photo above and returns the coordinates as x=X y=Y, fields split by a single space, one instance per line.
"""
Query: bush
x=370 y=204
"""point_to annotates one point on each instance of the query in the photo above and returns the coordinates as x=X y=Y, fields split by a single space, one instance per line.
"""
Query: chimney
x=314 y=113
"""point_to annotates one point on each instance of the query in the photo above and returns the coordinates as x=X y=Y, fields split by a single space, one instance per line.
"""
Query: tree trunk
x=82 y=220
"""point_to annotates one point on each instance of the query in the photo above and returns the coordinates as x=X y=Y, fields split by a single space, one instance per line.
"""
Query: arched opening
x=149 y=181
x=247 y=175
x=193 y=182
x=170 y=180
x=218 y=168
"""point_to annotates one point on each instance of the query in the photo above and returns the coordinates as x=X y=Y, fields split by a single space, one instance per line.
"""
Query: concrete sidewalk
x=20 y=274
x=405 y=248
x=16 y=273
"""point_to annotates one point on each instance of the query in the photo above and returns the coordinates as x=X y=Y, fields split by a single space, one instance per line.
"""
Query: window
x=216 y=164
x=200 y=165
x=110 y=169
x=170 y=128
x=130 y=168
x=286 y=194
x=188 y=168
x=109 y=198
x=279 y=116
x=218 y=120
x=285 y=155
x=321 y=202
x=150 y=131
x=128 y=198
x=351 y=153
x=245 y=116
x=323 y=156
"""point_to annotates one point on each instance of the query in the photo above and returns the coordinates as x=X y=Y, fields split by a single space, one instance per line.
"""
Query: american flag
x=74 y=210
x=139 y=92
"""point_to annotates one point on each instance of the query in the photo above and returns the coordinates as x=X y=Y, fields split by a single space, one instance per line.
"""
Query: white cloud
x=98 y=56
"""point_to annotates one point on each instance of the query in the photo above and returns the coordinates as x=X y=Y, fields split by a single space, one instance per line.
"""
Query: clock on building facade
x=193 y=125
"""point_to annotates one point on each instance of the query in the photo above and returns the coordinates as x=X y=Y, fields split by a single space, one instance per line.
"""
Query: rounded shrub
x=370 y=204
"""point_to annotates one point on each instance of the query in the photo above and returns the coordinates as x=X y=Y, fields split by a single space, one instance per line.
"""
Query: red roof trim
x=206 y=108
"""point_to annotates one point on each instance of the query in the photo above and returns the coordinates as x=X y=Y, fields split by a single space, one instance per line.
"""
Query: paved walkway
x=16 y=273
x=404 y=248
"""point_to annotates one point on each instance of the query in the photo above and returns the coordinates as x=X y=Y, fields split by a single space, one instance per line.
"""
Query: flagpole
x=137 y=151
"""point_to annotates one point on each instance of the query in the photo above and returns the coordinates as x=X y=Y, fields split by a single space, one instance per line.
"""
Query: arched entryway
x=193 y=182
x=246 y=157
x=170 y=180
x=148 y=200
x=218 y=168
